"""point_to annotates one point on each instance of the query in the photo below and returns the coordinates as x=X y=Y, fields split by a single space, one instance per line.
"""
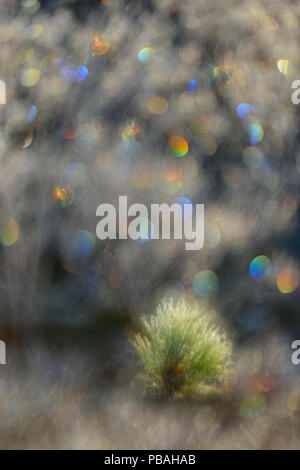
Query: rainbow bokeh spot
x=145 y=55
x=260 y=268
x=100 y=46
x=178 y=145
x=64 y=194
x=287 y=280
x=255 y=132
x=130 y=133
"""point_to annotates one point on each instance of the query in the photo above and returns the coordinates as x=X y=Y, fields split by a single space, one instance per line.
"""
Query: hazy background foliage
x=68 y=301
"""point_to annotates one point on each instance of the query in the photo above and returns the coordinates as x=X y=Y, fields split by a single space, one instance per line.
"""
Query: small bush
x=182 y=352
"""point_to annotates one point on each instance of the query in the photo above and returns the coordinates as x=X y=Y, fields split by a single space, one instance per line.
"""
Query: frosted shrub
x=182 y=351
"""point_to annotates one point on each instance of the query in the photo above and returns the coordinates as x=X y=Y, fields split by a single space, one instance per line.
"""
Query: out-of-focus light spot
x=69 y=267
x=236 y=75
x=253 y=406
x=84 y=242
x=30 y=77
x=283 y=66
x=218 y=71
x=69 y=133
x=32 y=113
x=172 y=187
x=145 y=55
x=100 y=46
x=82 y=73
x=185 y=103
x=252 y=157
x=255 y=132
x=158 y=105
x=290 y=19
x=243 y=110
x=146 y=230
x=260 y=382
x=178 y=145
x=171 y=290
x=189 y=54
x=172 y=170
x=70 y=75
x=31 y=6
x=28 y=3
x=77 y=75
x=7 y=33
x=205 y=283
x=212 y=236
x=34 y=31
x=287 y=280
x=193 y=86
x=201 y=124
x=28 y=140
x=186 y=205
x=143 y=177
x=64 y=194
x=130 y=133
x=260 y=268
x=209 y=145
x=11 y=232
x=293 y=401
x=269 y=23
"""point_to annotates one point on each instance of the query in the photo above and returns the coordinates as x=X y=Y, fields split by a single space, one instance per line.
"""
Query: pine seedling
x=182 y=351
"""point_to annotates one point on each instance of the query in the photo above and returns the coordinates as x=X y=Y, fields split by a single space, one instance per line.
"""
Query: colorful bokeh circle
x=205 y=283
x=260 y=268
x=178 y=145
x=287 y=280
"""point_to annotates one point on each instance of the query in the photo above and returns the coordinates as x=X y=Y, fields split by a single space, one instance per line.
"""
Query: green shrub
x=182 y=352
